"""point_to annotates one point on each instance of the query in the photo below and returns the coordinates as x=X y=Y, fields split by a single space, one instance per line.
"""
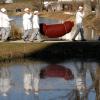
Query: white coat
x=0 y=19
x=35 y=21
x=79 y=17
x=6 y=21
x=27 y=23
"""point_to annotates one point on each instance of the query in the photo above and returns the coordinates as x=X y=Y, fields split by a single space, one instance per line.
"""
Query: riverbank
x=18 y=50
x=11 y=8
x=51 y=51
x=60 y=15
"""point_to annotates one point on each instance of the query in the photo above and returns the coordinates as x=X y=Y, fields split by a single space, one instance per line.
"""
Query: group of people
x=30 y=25
x=35 y=21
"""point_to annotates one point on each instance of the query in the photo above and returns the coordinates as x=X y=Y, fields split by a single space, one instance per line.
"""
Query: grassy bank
x=51 y=52
x=60 y=15
x=18 y=50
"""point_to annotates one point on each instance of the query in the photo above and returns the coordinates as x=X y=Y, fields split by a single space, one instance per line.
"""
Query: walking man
x=79 y=19
x=0 y=23
x=6 y=27
x=36 y=34
x=27 y=24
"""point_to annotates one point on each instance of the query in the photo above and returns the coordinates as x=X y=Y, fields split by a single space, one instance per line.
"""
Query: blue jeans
x=79 y=30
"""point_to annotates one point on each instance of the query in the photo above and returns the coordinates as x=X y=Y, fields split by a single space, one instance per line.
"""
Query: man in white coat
x=27 y=24
x=6 y=27
x=0 y=23
x=79 y=22
x=36 y=33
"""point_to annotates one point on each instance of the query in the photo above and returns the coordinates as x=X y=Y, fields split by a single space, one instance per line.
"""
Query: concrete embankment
x=51 y=51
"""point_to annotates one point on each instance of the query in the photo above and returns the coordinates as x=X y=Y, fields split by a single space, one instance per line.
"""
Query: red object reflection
x=56 y=71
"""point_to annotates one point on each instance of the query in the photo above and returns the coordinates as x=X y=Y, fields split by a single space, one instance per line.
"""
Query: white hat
x=26 y=9
x=3 y=10
x=35 y=12
x=80 y=8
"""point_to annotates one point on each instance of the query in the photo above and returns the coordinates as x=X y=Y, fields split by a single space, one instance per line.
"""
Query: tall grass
x=16 y=32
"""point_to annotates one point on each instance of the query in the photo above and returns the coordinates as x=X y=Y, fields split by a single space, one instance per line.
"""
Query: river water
x=21 y=80
x=18 y=20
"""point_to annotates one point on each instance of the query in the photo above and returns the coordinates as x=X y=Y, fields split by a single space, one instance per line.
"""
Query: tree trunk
x=42 y=5
x=98 y=9
x=87 y=11
x=97 y=83
x=87 y=7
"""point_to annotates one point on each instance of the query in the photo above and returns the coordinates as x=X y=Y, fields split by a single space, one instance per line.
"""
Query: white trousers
x=5 y=31
x=36 y=34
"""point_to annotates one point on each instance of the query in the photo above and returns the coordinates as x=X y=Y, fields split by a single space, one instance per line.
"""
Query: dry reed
x=16 y=32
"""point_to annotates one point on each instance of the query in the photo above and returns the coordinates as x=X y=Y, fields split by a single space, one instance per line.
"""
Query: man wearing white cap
x=6 y=27
x=27 y=24
x=36 y=33
x=79 y=19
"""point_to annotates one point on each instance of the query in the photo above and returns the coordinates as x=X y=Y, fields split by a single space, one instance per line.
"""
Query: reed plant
x=16 y=32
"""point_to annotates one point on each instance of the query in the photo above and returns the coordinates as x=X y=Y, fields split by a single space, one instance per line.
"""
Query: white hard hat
x=35 y=12
x=26 y=9
x=3 y=10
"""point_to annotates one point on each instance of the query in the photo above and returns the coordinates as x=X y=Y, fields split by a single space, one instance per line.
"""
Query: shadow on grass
x=59 y=52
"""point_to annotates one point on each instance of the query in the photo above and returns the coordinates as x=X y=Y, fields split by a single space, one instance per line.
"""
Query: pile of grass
x=16 y=32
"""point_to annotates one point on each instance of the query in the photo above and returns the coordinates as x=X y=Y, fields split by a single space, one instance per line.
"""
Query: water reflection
x=32 y=78
x=5 y=81
x=81 y=80
x=27 y=81
x=54 y=70
x=71 y=80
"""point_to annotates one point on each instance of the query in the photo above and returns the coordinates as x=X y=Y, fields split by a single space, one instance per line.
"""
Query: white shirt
x=79 y=17
x=0 y=19
x=5 y=20
x=27 y=23
x=35 y=21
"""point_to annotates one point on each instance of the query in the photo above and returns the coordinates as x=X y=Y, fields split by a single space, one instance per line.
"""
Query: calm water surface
x=18 y=20
x=21 y=80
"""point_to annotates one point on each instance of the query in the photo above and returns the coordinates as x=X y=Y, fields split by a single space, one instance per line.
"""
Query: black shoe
x=83 y=40
x=73 y=40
